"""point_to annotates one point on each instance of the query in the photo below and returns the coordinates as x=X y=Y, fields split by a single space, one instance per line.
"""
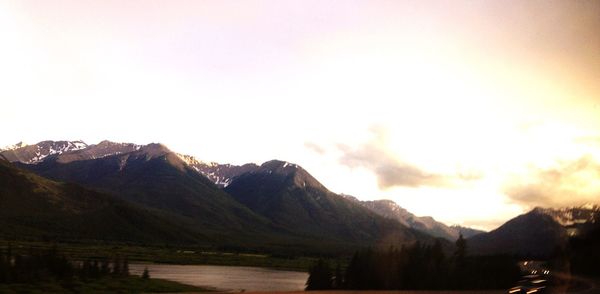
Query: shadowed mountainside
x=290 y=197
x=33 y=207
x=157 y=178
x=308 y=217
x=534 y=234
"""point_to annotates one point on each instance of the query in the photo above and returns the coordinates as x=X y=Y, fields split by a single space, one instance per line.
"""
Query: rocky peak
x=32 y=154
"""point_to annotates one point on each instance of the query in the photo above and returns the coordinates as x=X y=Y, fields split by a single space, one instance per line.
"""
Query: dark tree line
x=584 y=253
x=39 y=265
x=416 y=267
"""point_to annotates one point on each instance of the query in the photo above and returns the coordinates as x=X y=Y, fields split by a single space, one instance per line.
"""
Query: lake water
x=230 y=278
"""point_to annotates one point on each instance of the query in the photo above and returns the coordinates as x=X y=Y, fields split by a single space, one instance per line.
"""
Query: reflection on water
x=235 y=278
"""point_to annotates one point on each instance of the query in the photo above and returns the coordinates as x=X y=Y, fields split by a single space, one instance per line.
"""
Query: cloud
x=593 y=141
x=390 y=171
x=314 y=147
x=570 y=183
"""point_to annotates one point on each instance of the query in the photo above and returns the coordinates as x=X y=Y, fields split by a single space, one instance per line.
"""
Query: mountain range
x=297 y=212
x=427 y=224
x=224 y=174
x=162 y=196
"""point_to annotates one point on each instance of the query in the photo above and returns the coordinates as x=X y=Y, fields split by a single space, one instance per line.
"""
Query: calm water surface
x=233 y=278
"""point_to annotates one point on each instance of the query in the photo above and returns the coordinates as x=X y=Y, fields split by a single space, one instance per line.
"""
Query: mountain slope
x=220 y=174
x=155 y=177
x=534 y=234
x=576 y=220
x=426 y=224
x=32 y=207
x=290 y=197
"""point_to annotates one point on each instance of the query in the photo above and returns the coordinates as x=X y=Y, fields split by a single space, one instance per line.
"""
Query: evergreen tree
x=95 y=269
x=461 y=249
x=146 y=273
x=116 y=270
x=338 y=278
x=460 y=270
x=104 y=267
x=4 y=267
x=319 y=276
x=125 y=268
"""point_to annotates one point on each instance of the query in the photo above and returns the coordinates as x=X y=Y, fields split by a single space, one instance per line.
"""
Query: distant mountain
x=539 y=232
x=67 y=151
x=534 y=234
x=220 y=174
x=32 y=207
x=290 y=197
x=100 y=150
x=30 y=154
x=64 y=151
x=157 y=178
x=576 y=220
x=466 y=231
x=426 y=224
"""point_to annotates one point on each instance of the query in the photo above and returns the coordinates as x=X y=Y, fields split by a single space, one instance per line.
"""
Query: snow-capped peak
x=192 y=161
x=45 y=149
x=35 y=153
x=569 y=216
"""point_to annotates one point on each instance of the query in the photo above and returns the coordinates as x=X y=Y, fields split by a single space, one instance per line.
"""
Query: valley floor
x=167 y=254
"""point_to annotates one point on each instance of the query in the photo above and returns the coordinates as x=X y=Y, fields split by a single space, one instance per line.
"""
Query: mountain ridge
x=427 y=224
x=161 y=180
x=537 y=233
x=289 y=196
x=153 y=176
x=221 y=175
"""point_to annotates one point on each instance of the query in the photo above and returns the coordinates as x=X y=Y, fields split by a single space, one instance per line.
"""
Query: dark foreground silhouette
x=416 y=267
x=49 y=271
x=48 y=264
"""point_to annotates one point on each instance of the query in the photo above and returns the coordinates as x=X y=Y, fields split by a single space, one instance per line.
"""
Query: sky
x=468 y=111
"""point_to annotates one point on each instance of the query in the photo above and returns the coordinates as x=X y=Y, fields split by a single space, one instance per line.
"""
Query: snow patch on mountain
x=220 y=174
x=40 y=151
x=57 y=148
x=570 y=216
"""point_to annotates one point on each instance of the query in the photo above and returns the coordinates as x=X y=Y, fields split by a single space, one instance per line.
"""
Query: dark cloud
x=571 y=183
x=314 y=147
x=389 y=171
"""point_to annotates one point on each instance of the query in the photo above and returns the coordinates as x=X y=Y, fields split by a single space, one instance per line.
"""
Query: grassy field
x=168 y=255
x=130 y=284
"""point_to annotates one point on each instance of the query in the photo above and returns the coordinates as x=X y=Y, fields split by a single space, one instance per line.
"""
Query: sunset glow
x=470 y=112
